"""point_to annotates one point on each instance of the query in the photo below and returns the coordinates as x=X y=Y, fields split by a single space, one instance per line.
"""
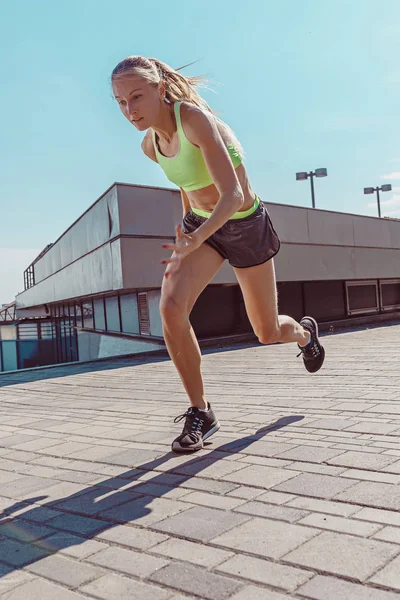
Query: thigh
x=258 y=287
x=184 y=286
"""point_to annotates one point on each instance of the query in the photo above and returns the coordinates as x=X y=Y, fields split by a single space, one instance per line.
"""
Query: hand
x=184 y=245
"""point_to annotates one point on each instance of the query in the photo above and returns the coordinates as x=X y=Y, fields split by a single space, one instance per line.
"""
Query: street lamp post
x=384 y=188
x=317 y=173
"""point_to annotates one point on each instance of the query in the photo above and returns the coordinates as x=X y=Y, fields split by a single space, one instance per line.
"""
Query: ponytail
x=178 y=88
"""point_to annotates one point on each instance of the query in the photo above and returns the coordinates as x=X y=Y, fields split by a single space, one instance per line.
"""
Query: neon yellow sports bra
x=187 y=168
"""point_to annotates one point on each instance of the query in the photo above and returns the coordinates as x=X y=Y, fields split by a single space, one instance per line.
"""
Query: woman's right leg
x=178 y=295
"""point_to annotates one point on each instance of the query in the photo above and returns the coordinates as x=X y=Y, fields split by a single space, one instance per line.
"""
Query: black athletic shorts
x=244 y=242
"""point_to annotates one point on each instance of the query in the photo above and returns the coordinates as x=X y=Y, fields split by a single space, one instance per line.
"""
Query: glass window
x=46 y=330
x=87 y=314
x=99 y=319
x=28 y=330
x=78 y=313
x=8 y=332
x=112 y=313
x=129 y=313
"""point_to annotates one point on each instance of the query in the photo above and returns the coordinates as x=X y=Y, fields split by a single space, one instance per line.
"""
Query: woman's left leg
x=258 y=287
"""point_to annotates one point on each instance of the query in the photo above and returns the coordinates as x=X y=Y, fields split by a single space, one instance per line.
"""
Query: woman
x=222 y=220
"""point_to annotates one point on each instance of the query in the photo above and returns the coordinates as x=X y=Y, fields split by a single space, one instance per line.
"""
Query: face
x=138 y=100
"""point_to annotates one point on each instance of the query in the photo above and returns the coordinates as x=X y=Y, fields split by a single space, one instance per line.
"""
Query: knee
x=171 y=310
x=269 y=335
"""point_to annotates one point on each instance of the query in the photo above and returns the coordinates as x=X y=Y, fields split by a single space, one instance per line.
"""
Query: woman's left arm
x=202 y=131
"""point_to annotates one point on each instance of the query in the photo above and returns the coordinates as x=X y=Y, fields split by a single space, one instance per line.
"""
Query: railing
x=7 y=313
x=29 y=273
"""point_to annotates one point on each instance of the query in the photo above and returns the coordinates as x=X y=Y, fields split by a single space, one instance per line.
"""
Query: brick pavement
x=297 y=496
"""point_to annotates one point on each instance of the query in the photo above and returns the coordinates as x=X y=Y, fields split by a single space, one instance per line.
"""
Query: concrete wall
x=117 y=243
x=96 y=345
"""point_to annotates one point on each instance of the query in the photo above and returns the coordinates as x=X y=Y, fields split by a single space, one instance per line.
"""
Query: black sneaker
x=199 y=425
x=313 y=353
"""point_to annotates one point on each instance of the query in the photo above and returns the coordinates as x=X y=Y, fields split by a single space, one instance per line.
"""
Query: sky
x=304 y=85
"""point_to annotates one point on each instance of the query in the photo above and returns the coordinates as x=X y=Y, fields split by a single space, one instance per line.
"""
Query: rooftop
x=297 y=496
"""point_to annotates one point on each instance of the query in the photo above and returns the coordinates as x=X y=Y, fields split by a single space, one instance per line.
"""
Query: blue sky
x=304 y=85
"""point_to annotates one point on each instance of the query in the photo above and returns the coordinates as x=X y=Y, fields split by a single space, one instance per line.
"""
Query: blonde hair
x=178 y=88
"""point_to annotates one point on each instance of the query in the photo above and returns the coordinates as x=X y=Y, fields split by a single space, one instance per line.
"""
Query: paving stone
x=266 y=572
x=65 y=449
x=324 y=506
x=340 y=524
x=134 y=537
x=65 y=571
x=129 y=562
x=35 y=444
x=23 y=531
x=78 y=524
x=379 y=516
x=200 y=523
x=190 y=579
x=342 y=554
x=210 y=467
x=115 y=586
x=25 y=485
x=361 y=460
x=250 y=592
x=11 y=578
x=310 y=454
x=265 y=477
x=275 y=497
x=389 y=576
x=321 y=468
x=329 y=588
x=6 y=476
x=15 y=440
x=261 y=509
x=95 y=501
x=40 y=589
x=145 y=510
x=209 y=485
x=379 y=495
x=198 y=554
x=271 y=539
x=71 y=545
x=335 y=424
x=389 y=534
x=212 y=500
x=371 y=476
x=319 y=486
x=394 y=467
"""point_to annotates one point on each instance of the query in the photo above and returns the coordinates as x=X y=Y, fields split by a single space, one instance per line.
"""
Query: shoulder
x=148 y=146
x=198 y=124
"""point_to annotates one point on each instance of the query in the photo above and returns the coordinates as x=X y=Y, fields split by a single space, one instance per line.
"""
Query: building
x=95 y=291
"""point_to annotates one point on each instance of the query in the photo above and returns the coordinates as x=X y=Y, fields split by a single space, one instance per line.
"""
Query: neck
x=165 y=124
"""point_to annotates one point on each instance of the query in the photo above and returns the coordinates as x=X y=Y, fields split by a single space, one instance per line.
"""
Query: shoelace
x=311 y=350
x=193 y=423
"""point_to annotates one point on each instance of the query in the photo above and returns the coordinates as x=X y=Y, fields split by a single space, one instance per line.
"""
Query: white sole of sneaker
x=177 y=448
x=211 y=431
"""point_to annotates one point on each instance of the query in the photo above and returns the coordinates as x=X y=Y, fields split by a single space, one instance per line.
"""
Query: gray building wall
x=116 y=245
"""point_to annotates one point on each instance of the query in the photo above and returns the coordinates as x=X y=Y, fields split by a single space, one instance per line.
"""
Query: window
x=362 y=297
x=8 y=332
x=99 y=317
x=87 y=314
x=390 y=294
x=112 y=313
x=129 y=313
